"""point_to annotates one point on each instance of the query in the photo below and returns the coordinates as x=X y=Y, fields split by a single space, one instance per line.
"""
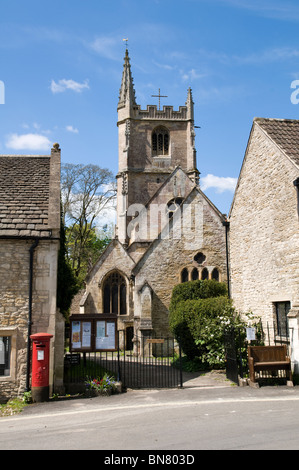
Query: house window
x=160 y=141
x=115 y=294
x=5 y=347
x=282 y=309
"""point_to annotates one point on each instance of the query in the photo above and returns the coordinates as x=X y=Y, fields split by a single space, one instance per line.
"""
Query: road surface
x=191 y=419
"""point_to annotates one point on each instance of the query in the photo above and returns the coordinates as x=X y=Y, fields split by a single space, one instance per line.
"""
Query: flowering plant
x=101 y=386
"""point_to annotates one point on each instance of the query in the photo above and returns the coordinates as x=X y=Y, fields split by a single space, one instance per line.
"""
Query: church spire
x=127 y=91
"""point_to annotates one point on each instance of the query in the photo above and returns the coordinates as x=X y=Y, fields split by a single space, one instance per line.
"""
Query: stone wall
x=264 y=230
x=14 y=303
x=115 y=258
x=163 y=263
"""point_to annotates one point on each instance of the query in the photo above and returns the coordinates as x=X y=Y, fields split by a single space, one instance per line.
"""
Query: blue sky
x=61 y=66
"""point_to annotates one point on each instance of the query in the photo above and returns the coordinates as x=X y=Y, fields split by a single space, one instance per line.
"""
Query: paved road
x=209 y=416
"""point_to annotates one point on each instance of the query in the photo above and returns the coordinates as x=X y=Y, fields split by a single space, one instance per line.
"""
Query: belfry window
x=160 y=141
x=115 y=294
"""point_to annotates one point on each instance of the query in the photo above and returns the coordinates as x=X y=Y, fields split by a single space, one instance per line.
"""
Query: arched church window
x=115 y=294
x=160 y=141
x=194 y=274
x=173 y=205
x=215 y=274
x=107 y=296
x=204 y=274
x=184 y=275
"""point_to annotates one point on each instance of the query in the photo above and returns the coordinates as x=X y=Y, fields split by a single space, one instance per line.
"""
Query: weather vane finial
x=126 y=41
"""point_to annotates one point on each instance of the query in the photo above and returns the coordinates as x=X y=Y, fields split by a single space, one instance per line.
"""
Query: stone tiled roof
x=24 y=195
x=285 y=133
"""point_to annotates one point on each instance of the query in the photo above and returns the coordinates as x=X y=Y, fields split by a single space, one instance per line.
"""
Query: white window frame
x=12 y=333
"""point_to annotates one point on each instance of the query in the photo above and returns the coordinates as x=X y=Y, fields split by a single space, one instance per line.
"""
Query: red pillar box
x=40 y=366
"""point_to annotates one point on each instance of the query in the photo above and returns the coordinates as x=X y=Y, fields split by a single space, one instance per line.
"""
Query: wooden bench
x=270 y=359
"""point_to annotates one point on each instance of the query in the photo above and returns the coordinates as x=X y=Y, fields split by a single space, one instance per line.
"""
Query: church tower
x=167 y=231
x=152 y=144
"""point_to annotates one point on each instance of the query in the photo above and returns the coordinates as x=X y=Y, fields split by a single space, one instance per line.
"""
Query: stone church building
x=167 y=230
x=29 y=244
x=264 y=230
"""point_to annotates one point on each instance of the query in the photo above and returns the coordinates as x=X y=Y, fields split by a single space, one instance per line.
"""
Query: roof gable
x=172 y=231
x=115 y=250
x=29 y=195
x=284 y=133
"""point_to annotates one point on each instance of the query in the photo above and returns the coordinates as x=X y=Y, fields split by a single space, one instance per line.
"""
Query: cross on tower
x=159 y=96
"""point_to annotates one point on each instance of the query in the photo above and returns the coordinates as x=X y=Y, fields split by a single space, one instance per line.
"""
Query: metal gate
x=151 y=363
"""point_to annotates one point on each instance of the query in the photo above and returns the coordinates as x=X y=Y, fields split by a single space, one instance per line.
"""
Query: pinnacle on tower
x=190 y=104
x=127 y=91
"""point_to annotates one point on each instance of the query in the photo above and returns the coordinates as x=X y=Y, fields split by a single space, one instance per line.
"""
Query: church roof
x=28 y=204
x=285 y=133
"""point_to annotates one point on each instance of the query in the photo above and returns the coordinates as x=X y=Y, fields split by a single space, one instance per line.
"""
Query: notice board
x=96 y=332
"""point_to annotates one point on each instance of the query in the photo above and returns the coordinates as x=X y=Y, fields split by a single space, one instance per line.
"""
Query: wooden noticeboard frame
x=93 y=332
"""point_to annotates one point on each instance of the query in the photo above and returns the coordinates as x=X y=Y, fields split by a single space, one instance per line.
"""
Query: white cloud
x=219 y=183
x=28 y=142
x=63 y=85
x=106 y=47
x=72 y=129
x=192 y=75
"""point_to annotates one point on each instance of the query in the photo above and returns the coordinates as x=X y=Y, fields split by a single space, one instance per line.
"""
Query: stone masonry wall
x=14 y=303
x=162 y=265
x=264 y=235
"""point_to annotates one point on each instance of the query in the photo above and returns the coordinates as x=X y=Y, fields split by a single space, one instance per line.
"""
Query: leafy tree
x=82 y=256
x=67 y=284
x=86 y=190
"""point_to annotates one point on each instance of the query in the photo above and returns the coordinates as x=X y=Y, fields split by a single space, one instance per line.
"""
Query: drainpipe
x=226 y=225
x=31 y=253
x=296 y=184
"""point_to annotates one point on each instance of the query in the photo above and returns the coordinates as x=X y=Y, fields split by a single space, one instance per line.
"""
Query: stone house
x=167 y=230
x=264 y=230
x=29 y=244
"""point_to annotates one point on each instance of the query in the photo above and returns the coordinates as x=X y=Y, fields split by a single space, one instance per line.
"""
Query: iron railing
x=152 y=363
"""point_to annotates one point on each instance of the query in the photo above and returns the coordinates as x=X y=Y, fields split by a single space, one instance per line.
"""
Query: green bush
x=198 y=325
x=198 y=290
x=199 y=314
